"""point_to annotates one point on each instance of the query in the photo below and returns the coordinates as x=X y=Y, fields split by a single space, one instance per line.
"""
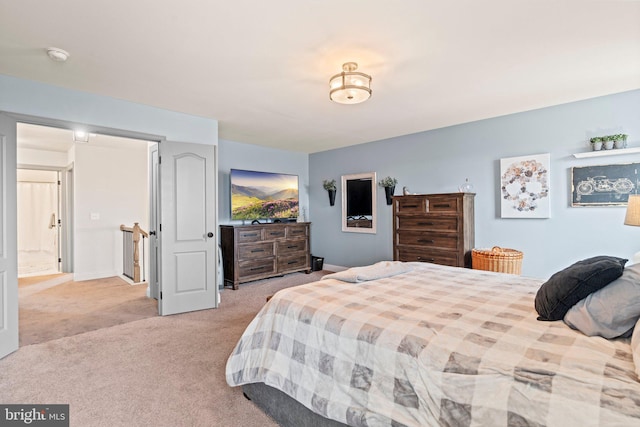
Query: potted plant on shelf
x=596 y=143
x=330 y=186
x=607 y=142
x=389 y=185
x=624 y=139
x=620 y=140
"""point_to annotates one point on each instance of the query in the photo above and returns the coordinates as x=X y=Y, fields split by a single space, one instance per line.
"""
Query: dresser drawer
x=409 y=204
x=443 y=204
x=428 y=239
x=256 y=250
x=409 y=254
x=271 y=234
x=295 y=262
x=290 y=247
x=258 y=267
x=297 y=231
x=248 y=235
x=427 y=222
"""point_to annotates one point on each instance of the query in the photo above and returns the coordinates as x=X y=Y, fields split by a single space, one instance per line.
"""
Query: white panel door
x=187 y=229
x=8 y=238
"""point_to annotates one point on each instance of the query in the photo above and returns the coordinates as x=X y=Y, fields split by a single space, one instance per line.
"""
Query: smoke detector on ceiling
x=57 y=54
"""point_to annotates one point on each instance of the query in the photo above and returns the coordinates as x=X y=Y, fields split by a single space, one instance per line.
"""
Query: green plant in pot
x=607 y=142
x=596 y=143
x=389 y=185
x=330 y=186
x=620 y=141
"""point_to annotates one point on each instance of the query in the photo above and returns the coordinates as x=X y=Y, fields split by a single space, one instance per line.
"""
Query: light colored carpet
x=57 y=307
x=159 y=371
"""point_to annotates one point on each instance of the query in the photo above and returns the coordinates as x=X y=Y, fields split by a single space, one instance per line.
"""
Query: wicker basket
x=502 y=260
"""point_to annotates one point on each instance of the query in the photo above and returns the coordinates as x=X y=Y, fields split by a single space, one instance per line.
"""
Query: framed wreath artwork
x=524 y=186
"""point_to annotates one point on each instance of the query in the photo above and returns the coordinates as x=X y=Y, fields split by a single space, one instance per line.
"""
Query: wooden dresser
x=251 y=252
x=437 y=228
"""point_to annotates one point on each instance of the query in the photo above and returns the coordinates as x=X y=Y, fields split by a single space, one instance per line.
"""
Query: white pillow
x=611 y=311
x=635 y=347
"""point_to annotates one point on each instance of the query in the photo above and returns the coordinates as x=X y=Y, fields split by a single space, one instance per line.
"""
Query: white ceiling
x=61 y=140
x=261 y=68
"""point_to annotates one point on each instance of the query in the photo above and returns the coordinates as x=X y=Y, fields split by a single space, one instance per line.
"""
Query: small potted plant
x=389 y=185
x=607 y=142
x=596 y=143
x=617 y=141
x=330 y=186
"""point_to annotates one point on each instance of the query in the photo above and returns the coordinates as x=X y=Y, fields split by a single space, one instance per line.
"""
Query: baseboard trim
x=79 y=277
x=334 y=268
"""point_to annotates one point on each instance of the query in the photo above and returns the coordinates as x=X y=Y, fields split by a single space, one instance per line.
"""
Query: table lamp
x=633 y=217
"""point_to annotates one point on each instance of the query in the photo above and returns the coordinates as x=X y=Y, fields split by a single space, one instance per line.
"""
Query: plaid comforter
x=435 y=346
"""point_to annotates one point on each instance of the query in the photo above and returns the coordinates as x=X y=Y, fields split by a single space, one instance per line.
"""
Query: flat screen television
x=359 y=198
x=263 y=195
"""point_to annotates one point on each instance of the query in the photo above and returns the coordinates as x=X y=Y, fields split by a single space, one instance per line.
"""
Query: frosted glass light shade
x=350 y=86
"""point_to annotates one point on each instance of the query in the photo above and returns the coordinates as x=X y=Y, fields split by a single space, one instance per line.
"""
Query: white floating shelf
x=602 y=153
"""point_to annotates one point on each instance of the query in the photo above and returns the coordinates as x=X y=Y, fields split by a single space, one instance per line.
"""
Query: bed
x=429 y=345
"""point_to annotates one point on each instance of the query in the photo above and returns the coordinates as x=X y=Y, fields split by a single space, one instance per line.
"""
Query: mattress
x=434 y=346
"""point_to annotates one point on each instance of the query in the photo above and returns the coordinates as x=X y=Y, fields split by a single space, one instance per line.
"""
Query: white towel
x=378 y=270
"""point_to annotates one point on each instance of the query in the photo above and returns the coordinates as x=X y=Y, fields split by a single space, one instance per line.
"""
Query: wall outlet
x=95 y=216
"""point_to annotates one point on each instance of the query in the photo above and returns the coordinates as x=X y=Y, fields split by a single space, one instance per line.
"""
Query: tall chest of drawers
x=437 y=228
x=252 y=252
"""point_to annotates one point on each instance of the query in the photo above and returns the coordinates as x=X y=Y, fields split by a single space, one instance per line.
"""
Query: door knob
x=209 y=234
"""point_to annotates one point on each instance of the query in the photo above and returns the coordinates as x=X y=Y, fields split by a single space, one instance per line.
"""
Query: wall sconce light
x=350 y=86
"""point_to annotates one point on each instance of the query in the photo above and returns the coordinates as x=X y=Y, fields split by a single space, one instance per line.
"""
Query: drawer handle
x=409 y=206
x=425 y=223
x=250 y=234
x=256 y=269
x=276 y=234
x=292 y=247
x=292 y=262
x=426 y=259
x=425 y=241
x=256 y=250
x=441 y=205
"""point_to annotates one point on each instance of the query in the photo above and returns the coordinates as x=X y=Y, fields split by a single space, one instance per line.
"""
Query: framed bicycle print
x=606 y=185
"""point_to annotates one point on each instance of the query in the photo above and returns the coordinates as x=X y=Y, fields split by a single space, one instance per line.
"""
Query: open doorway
x=99 y=186
x=38 y=194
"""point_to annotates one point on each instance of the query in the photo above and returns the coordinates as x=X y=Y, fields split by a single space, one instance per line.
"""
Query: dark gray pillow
x=612 y=311
x=566 y=287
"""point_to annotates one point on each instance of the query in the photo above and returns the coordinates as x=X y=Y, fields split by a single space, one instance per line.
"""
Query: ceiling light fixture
x=80 y=136
x=57 y=54
x=350 y=86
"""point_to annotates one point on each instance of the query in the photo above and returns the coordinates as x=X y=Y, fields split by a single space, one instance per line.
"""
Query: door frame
x=68 y=172
x=64 y=214
x=68 y=124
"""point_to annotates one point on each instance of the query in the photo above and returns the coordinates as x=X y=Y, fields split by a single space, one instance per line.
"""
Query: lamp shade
x=633 y=210
x=350 y=86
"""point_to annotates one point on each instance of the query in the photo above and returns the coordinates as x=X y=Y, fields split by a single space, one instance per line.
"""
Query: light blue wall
x=41 y=100
x=438 y=161
x=236 y=155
